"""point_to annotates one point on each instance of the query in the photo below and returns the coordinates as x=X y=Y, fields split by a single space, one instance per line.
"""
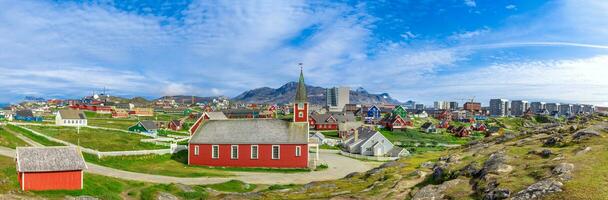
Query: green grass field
x=412 y=136
x=32 y=136
x=98 y=139
x=174 y=165
x=233 y=186
x=9 y=140
x=98 y=186
x=122 y=124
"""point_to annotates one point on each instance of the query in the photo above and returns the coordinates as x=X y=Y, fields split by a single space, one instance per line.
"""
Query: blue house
x=373 y=113
x=26 y=115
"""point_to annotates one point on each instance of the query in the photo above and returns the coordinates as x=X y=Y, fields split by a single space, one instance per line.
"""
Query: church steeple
x=300 y=106
x=301 y=90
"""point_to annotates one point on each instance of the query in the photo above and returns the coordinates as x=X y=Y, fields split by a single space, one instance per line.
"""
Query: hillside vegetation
x=559 y=160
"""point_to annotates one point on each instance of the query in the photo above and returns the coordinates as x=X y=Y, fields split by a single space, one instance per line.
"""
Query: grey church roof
x=251 y=131
x=45 y=159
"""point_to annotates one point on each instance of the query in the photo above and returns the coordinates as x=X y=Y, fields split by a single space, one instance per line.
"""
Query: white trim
x=196 y=150
x=81 y=179
x=257 y=152
x=278 y=152
x=22 y=181
x=189 y=154
x=298 y=151
x=232 y=156
x=213 y=151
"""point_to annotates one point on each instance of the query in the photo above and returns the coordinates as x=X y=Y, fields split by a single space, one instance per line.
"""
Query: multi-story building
x=537 y=106
x=410 y=104
x=565 y=109
x=472 y=106
x=419 y=106
x=588 y=108
x=453 y=105
x=519 y=107
x=441 y=105
x=577 y=109
x=499 y=107
x=336 y=98
x=552 y=108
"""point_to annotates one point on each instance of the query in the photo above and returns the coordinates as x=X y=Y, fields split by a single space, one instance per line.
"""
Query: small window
x=298 y=151
x=300 y=114
x=275 y=152
x=215 y=153
x=254 y=152
x=234 y=152
x=300 y=106
x=196 y=149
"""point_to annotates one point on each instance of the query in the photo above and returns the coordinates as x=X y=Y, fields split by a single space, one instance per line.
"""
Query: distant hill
x=188 y=99
x=316 y=95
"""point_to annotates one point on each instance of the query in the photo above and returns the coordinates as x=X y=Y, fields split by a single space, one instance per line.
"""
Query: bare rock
x=166 y=196
x=497 y=164
x=539 y=189
x=581 y=152
x=471 y=170
x=563 y=171
x=82 y=198
x=432 y=192
x=584 y=134
x=554 y=141
x=352 y=174
x=427 y=164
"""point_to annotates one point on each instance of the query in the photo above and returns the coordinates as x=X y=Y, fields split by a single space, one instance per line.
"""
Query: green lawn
x=9 y=140
x=330 y=134
x=168 y=165
x=122 y=124
x=412 y=136
x=32 y=136
x=233 y=186
x=98 y=139
x=174 y=165
x=98 y=186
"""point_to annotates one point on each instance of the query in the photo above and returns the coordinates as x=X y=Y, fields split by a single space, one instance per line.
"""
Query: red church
x=50 y=168
x=267 y=143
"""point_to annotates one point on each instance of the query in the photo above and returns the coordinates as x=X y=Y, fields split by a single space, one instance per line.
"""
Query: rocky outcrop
x=539 y=189
x=563 y=171
x=584 y=134
x=432 y=192
x=497 y=164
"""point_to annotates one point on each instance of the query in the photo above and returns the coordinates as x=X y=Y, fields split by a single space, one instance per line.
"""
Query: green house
x=399 y=110
x=144 y=127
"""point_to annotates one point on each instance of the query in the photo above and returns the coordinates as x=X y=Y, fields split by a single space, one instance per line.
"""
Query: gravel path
x=25 y=139
x=339 y=166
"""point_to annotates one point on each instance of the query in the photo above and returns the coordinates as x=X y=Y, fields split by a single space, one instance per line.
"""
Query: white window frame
x=257 y=152
x=196 y=150
x=213 y=150
x=278 y=152
x=298 y=151
x=232 y=156
x=301 y=114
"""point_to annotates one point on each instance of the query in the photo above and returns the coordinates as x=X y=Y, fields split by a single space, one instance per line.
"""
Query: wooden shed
x=50 y=168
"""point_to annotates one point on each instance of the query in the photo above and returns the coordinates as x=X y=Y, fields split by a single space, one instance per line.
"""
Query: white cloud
x=468 y=34
x=470 y=3
x=569 y=80
x=511 y=7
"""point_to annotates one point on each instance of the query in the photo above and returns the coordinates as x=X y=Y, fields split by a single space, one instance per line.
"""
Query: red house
x=267 y=143
x=479 y=127
x=395 y=122
x=175 y=125
x=50 y=168
x=329 y=121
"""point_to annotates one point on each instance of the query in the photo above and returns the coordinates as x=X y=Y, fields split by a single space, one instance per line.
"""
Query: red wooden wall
x=68 y=180
x=288 y=158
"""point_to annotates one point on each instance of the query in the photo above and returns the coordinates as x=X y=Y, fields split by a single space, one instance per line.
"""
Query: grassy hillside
x=532 y=160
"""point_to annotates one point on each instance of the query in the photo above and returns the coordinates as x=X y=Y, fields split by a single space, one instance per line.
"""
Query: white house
x=70 y=118
x=368 y=142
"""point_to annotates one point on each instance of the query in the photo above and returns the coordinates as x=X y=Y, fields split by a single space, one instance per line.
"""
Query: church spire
x=301 y=90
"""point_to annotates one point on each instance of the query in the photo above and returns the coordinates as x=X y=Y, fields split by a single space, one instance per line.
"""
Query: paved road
x=339 y=166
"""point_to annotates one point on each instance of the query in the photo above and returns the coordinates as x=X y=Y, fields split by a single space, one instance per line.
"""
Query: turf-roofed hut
x=50 y=168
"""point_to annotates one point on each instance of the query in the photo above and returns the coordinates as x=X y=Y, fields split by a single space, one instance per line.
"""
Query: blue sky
x=422 y=50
